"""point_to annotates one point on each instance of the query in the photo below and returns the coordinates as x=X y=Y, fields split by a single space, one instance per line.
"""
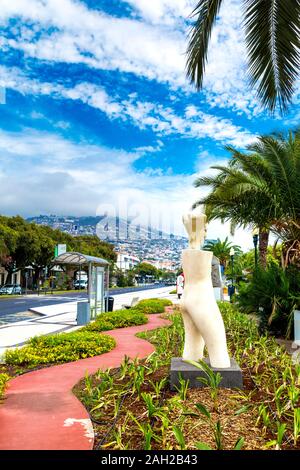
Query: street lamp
x=231 y=290
x=255 y=233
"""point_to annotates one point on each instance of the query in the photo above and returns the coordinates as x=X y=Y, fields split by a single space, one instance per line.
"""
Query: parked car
x=170 y=282
x=80 y=284
x=11 y=289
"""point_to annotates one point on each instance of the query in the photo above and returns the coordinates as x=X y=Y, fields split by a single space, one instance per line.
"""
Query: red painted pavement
x=40 y=411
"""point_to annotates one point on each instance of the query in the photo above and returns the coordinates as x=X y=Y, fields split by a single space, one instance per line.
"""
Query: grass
x=137 y=410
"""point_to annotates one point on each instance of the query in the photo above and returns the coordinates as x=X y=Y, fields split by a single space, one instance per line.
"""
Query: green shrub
x=3 y=380
x=117 y=319
x=272 y=294
x=173 y=291
x=152 y=305
x=59 y=348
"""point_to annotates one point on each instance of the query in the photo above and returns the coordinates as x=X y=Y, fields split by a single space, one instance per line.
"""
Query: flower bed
x=60 y=348
x=147 y=415
x=67 y=347
x=117 y=319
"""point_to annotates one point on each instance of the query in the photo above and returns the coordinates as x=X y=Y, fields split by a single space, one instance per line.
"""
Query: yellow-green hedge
x=3 y=380
x=59 y=348
x=117 y=319
x=152 y=305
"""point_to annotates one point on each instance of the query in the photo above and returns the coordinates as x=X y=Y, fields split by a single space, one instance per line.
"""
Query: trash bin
x=83 y=313
x=109 y=304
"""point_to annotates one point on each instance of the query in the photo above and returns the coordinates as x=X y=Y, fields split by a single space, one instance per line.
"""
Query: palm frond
x=272 y=40
x=279 y=159
x=206 y=12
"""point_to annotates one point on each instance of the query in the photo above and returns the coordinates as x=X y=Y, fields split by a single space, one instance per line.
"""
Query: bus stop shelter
x=98 y=277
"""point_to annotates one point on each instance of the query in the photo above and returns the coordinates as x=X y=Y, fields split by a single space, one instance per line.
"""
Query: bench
x=134 y=302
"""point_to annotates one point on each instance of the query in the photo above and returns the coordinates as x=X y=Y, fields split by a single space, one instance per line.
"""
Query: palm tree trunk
x=263 y=247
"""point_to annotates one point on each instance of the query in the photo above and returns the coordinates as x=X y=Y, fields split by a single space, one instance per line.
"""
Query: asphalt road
x=16 y=309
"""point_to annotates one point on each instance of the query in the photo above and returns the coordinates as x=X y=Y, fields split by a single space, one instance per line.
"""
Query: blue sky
x=98 y=114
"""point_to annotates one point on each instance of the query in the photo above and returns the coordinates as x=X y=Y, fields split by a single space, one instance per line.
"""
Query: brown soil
x=236 y=411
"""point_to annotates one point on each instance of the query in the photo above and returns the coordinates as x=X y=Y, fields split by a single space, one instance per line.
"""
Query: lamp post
x=231 y=253
x=255 y=233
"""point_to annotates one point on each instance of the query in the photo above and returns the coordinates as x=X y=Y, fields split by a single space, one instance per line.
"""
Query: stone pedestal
x=231 y=376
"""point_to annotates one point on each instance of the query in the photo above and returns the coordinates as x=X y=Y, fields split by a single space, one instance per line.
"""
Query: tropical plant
x=211 y=379
x=271 y=295
x=164 y=421
x=260 y=188
x=182 y=389
x=272 y=42
x=221 y=249
x=177 y=431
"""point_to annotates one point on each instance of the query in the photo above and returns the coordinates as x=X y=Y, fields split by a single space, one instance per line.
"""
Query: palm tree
x=272 y=41
x=260 y=188
x=221 y=249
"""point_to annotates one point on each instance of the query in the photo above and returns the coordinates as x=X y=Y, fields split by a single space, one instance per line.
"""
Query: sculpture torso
x=202 y=319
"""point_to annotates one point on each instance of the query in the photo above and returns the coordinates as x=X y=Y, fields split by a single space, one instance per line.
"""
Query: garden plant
x=133 y=408
x=66 y=347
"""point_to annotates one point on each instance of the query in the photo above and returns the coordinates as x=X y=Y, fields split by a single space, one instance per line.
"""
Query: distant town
x=133 y=243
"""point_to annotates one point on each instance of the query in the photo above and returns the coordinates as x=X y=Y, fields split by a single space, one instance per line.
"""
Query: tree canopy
x=25 y=243
x=260 y=188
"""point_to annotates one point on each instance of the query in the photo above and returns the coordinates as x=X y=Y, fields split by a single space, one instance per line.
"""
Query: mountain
x=106 y=227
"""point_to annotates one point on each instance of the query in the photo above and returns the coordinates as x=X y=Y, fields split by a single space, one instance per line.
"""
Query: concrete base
x=231 y=376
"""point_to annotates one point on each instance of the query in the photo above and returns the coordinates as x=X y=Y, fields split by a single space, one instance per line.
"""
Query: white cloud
x=153 y=47
x=144 y=115
x=42 y=173
x=163 y=11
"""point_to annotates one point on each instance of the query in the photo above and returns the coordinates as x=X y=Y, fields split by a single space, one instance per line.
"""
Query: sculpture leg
x=213 y=333
x=193 y=342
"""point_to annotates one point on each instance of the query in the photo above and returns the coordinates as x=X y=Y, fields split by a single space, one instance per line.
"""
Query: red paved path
x=40 y=411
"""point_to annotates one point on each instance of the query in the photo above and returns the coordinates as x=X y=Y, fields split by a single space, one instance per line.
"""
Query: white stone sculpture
x=203 y=322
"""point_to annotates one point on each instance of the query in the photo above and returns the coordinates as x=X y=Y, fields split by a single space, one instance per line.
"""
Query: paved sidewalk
x=40 y=411
x=62 y=317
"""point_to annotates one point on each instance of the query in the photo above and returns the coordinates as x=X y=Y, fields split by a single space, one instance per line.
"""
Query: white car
x=81 y=284
x=10 y=289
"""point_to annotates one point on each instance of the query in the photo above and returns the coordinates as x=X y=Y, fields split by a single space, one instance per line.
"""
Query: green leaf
x=239 y=444
x=203 y=410
x=202 y=446
x=241 y=410
x=190 y=413
x=206 y=12
x=179 y=437
x=272 y=40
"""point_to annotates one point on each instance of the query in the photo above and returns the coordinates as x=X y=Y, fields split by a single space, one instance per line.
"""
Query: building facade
x=126 y=262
